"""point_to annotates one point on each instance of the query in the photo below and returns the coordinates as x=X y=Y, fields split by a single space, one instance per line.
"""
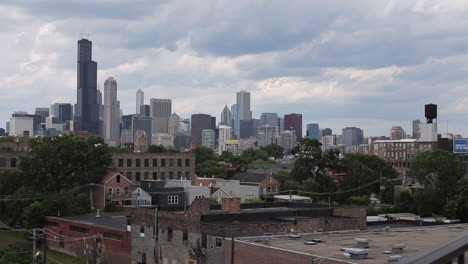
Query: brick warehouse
x=199 y=234
x=105 y=237
x=155 y=166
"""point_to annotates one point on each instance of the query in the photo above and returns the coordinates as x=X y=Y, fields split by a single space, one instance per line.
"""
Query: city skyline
x=190 y=65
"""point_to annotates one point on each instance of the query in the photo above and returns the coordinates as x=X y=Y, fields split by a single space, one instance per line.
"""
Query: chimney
x=230 y=205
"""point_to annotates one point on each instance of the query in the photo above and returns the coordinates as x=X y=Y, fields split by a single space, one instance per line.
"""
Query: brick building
x=114 y=187
x=198 y=235
x=103 y=238
x=155 y=166
x=11 y=149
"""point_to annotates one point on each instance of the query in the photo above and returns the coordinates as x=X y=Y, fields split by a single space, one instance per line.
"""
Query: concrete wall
x=249 y=192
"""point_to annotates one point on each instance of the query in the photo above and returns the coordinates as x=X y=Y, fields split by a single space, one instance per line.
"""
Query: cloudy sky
x=367 y=63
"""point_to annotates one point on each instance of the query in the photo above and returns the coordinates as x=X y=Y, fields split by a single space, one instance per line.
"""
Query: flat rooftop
x=414 y=238
x=117 y=220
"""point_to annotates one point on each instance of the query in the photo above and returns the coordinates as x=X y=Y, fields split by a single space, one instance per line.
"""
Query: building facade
x=313 y=131
x=225 y=134
x=154 y=166
x=174 y=124
x=111 y=113
x=140 y=101
x=243 y=100
x=161 y=109
x=294 y=122
x=226 y=117
x=208 y=138
x=267 y=135
x=199 y=122
x=352 y=136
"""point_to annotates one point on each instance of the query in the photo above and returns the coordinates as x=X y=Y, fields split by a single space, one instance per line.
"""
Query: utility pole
x=44 y=248
x=34 y=246
x=232 y=248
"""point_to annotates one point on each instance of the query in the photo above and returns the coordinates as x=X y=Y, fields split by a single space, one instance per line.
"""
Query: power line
x=331 y=193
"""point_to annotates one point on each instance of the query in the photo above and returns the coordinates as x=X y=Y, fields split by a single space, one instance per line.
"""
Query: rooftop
x=117 y=220
x=414 y=239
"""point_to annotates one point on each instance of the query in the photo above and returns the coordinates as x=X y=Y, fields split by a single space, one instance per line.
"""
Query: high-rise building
x=208 y=138
x=63 y=112
x=127 y=121
x=182 y=141
x=86 y=108
x=236 y=117
x=7 y=127
x=198 y=123
x=174 y=124
x=36 y=121
x=267 y=135
x=225 y=134
x=281 y=124
x=111 y=113
x=269 y=119
x=43 y=112
x=226 y=116
x=142 y=123
x=248 y=128
x=2 y=132
x=397 y=133
x=288 y=140
x=313 y=131
x=161 y=109
x=145 y=110
x=185 y=126
x=21 y=124
x=294 y=122
x=327 y=132
x=328 y=142
x=415 y=132
x=164 y=139
x=352 y=136
x=140 y=100
x=243 y=100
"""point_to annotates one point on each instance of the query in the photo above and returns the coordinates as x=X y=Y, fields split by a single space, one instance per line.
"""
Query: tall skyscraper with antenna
x=86 y=108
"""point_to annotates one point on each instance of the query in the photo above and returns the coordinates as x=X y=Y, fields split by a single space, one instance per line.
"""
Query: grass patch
x=62 y=258
x=11 y=237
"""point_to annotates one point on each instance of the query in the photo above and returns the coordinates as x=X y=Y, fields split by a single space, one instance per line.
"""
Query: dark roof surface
x=249 y=177
x=117 y=220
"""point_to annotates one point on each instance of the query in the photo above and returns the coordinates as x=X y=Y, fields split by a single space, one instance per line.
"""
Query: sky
x=368 y=63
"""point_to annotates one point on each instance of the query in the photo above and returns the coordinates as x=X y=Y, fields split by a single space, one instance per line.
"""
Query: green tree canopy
x=210 y=168
x=62 y=162
x=160 y=149
x=203 y=154
x=437 y=169
x=273 y=150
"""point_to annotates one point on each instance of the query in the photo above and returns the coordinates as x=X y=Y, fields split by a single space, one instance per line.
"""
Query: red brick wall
x=358 y=212
x=266 y=183
x=259 y=254
x=112 y=248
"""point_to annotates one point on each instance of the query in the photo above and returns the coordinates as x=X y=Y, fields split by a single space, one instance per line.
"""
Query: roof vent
x=398 y=248
x=357 y=253
x=362 y=242
x=394 y=258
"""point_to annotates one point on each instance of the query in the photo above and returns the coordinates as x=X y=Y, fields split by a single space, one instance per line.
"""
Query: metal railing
x=444 y=253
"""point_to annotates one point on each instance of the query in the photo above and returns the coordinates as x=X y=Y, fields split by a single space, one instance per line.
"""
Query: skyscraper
x=174 y=124
x=415 y=132
x=225 y=133
x=235 y=111
x=352 y=136
x=208 y=138
x=86 y=108
x=248 y=128
x=63 y=112
x=140 y=100
x=226 y=116
x=43 y=112
x=294 y=122
x=397 y=133
x=327 y=132
x=267 y=135
x=313 y=131
x=198 y=123
x=145 y=110
x=111 y=113
x=243 y=100
x=160 y=110
x=269 y=119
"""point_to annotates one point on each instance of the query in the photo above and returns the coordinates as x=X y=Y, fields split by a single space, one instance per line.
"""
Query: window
x=121 y=162
x=179 y=163
x=185 y=237
x=137 y=163
x=155 y=175
x=169 y=235
x=171 y=163
x=146 y=163
x=139 y=192
x=129 y=162
x=219 y=242
x=129 y=175
x=155 y=162
x=171 y=175
x=117 y=191
x=173 y=199
x=187 y=162
x=79 y=229
x=204 y=240
x=141 y=258
x=117 y=178
x=187 y=175
x=142 y=231
x=126 y=190
x=146 y=175
x=137 y=176
x=179 y=175
x=110 y=191
x=163 y=162
x=112 y=236
x=163 y=175
x=201 y=196
x=54 y=224
x=2 y=162
x=13 y=163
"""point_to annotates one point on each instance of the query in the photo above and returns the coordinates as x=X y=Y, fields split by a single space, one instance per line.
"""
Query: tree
x=210 y=168
x=203 y=154
x=438 y=169
x=160 y=149
x=61 y=162
x=312 y=162
x=404 y=203
x=252 y=154
x=273 y=150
